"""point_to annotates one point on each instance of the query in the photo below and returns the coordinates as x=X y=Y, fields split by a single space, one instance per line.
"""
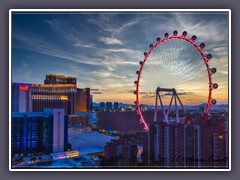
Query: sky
x=103 y=51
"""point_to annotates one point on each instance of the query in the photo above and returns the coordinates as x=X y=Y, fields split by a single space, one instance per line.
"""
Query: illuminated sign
x=23 y=88
x=220 y=136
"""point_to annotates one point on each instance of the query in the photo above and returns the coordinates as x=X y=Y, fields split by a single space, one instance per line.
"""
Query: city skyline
x=103 y=50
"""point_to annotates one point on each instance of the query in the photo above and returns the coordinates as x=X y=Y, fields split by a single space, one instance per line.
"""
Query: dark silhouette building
x=109 y=106
x=115 y=106
x=102 y=106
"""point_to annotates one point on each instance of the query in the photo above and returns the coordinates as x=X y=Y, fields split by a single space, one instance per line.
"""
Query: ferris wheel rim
x=199 y=49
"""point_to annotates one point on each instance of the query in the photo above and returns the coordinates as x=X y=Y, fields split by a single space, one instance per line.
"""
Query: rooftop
x=60 y=76
x=88 y=140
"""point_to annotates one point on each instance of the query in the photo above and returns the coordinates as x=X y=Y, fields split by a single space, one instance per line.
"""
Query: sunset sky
x=103 y=51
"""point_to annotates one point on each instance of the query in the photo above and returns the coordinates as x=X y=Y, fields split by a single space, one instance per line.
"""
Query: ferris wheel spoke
x=175 y=62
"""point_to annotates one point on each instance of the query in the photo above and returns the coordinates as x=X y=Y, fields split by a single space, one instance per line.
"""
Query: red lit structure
x=199 y=49
x=23 y=88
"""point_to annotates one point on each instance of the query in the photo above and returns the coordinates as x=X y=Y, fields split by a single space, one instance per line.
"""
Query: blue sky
x=103 y=51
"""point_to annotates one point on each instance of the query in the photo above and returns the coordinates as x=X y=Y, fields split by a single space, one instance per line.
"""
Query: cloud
x=46 y=48
x=110 y=41
x=148 y=96
x=110 y=23
x=120 y=50
x=25 y=65
x=84 y=45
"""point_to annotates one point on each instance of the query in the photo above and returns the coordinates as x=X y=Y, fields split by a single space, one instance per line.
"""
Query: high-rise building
x=214 y=141
x=83 y=99
x=133 y=107
x=91 y=101
x=115 y=105
x=20 y=97
x=59 y=79
x=102 y=106
x=39 y=132
x=109 y=106
x=53 y=96
x=198 y=143
x=144 y=107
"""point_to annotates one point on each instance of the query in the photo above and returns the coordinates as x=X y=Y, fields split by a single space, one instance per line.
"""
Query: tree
x=17 y=161
x=34 y=159
x=21 y=159
x=40 y=158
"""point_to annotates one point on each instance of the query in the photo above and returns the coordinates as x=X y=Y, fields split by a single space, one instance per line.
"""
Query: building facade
x=21 y=97
x=102 y=106
x=109 y=106
x=39 y=132
x=53 y=96
x=199 y=144
x=115 y=106
x=83 y=99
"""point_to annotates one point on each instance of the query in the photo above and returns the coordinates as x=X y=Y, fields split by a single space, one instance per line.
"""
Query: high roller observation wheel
x=205 y=58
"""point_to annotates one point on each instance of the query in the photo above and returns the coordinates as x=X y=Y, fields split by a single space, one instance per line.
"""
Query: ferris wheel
x=175 y=69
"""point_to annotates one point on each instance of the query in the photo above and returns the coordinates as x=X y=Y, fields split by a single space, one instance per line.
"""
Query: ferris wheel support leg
x=169 y=106
x=177 y=116
x=155 y=112
x=164 y=113
x=181 y=104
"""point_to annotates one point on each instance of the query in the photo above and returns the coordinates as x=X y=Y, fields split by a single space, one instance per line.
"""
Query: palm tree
x=21 y=159
x=40 y=158
x=17 y=161
x=34 y=159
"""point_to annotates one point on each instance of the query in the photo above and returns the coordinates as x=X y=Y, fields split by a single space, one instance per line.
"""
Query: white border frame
x=119 y=10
